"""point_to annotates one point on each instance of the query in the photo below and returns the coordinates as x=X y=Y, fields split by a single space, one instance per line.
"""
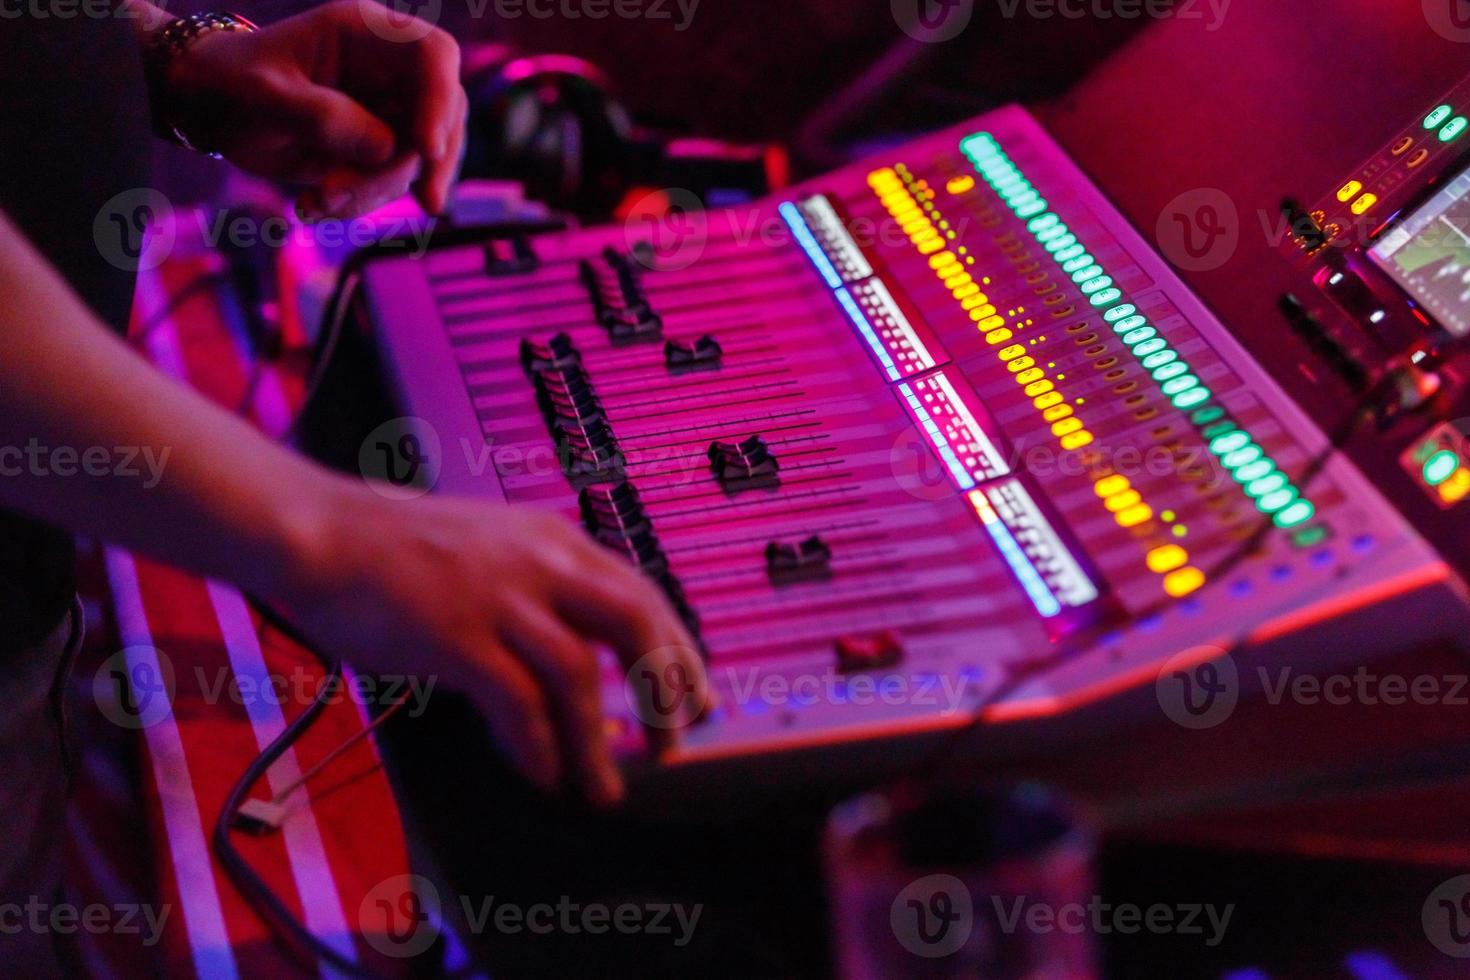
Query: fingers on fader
x=566 y=667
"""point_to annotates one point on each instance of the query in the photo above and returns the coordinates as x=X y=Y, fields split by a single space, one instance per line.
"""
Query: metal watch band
x=166 y=44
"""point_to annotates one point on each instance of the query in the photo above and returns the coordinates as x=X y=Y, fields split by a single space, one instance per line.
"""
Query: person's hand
x=341 y=98
x=503 y=604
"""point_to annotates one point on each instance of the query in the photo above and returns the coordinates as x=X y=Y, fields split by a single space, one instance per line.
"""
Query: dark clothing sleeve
x=74 y=134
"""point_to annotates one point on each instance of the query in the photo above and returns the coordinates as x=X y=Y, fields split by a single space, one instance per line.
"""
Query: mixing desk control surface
x=942 y=421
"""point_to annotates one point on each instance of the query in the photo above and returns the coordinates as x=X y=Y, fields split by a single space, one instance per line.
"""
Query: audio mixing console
x=941 y=421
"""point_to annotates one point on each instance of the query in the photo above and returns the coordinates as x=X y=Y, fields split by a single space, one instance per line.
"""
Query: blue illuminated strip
x=1046 y=604
x=946 y=452
x=808 y=244
x=866 y=329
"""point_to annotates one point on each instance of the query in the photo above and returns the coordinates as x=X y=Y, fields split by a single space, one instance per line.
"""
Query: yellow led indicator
x=1183 y=581
x=1123 y=501
x=961 y=184
x=901 y=194
x=1077 y=440
x=1455 y=489
x=1362 y=204
x=1134 y=515
x=1165 y=558
x=1350 y=190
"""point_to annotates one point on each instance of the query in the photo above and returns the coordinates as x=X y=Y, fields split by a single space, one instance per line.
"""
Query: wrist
x=310 y=523
x=177 y=84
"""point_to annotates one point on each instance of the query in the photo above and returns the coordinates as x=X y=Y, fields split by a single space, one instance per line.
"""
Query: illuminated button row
x=893 y=328
x=1064 y=577
x=833 y=239
x=910 y=203
x=935 y=400
x=941 y=439
x=1450 y=129
x=1246 y=462
x=1030 y=546
x=868 y=304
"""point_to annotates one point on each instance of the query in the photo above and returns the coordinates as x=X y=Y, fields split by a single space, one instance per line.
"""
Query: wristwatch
x=166 y=44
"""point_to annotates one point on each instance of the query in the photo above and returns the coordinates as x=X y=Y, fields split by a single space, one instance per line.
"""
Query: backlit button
x=1362 y=204
x=868 y=651
x=1438 y=116
x=1350 y=190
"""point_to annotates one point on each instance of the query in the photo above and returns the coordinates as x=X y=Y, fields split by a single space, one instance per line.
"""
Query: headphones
x=549 y=122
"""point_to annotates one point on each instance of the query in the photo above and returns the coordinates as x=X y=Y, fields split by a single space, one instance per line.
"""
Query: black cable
x=255 y=891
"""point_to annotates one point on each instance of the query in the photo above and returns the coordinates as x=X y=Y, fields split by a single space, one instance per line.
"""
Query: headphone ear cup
x=549 y=123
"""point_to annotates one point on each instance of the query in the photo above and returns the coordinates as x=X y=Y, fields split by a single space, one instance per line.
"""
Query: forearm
x=202 y=490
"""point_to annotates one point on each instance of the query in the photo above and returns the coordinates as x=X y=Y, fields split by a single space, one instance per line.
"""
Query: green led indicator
x=1241 y=457
x=1438 y=116
x=1276 y=500
x=1229 y=442
x=1207 y=415
x=1251 y=472
x=1298 y=513
x=1266 y=485
x=1309 y=536
x=1194 y=396
x=1440 y=467
x=1248 y=463
x=1453 y=129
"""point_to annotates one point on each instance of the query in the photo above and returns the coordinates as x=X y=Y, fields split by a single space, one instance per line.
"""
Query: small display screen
x=1428 y=254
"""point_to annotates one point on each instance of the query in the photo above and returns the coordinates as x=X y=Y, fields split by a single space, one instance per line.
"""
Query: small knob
x=704 y=352
x=806 y=559
x=749 y=459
